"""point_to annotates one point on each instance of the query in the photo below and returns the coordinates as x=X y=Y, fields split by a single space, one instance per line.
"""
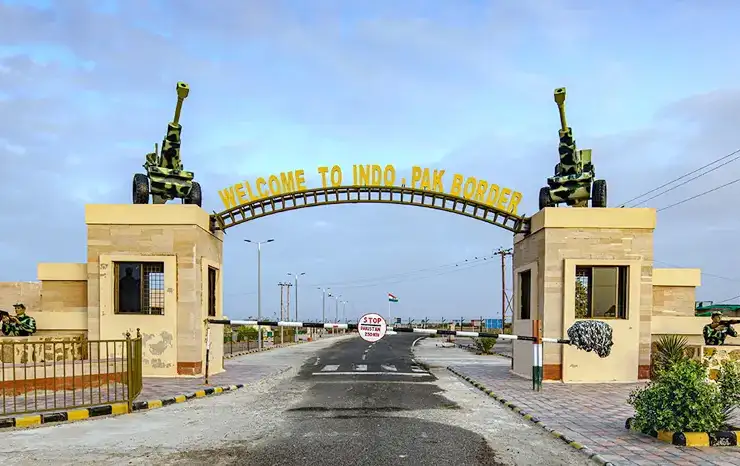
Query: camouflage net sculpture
x=592 y=335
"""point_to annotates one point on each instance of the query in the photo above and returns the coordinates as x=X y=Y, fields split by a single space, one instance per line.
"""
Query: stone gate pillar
x=157 y=268
x=585 y=263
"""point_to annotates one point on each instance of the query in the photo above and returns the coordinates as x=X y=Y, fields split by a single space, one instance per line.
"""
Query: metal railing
x=39 y=376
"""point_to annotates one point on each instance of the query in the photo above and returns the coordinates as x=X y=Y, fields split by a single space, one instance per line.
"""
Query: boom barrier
x=587 y=335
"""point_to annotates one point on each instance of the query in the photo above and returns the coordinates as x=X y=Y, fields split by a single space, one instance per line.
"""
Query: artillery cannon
x=165 y=178
x=574 y=181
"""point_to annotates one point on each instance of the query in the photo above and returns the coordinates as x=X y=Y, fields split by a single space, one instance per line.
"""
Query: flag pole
x=390 y=321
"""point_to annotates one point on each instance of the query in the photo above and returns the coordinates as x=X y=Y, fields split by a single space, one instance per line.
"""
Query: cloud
x=86 y=89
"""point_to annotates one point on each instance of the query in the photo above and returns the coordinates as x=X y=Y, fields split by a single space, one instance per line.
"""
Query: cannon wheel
x=545 y=200
x=195 y=196
x=141 y=189
x=598 y=194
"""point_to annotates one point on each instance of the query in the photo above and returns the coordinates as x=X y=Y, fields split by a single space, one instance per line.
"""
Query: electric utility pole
x=503 y=253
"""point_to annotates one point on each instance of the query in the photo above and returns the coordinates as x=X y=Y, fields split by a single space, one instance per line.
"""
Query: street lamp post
x=323 y=304
x=336 y=309
x=259 y=285
x=295 y=276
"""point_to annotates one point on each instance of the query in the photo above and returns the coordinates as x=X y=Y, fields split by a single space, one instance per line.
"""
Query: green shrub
x=244 y=333
x=728 y=383
x=681 y=399
x=670 y=349
x=484 y=345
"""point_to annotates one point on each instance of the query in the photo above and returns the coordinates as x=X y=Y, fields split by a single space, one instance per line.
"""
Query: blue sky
x=87 y=89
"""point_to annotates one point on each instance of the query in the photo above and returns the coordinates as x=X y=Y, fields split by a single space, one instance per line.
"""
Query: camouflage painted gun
x=573 y=183
x=165 y=178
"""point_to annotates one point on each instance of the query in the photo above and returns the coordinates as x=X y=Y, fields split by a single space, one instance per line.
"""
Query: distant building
x=706 y=308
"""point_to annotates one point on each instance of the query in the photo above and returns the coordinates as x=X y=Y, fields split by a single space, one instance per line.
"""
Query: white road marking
x=330 y=368
x=317 y=361
x=417 y=369
x=361 y=367
x=388 y=367
x=364 y=356
x=409 y=374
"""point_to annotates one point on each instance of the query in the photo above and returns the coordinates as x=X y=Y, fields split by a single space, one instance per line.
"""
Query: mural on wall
x=19 y=325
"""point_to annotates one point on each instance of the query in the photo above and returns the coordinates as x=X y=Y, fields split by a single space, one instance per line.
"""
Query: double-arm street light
x=259 y=285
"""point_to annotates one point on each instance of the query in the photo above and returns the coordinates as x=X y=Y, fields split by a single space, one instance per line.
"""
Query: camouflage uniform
x=716 y=336
x=24 y=327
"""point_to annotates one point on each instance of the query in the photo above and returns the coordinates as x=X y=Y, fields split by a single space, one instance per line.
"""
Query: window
x=139 y=288
x=211 y=292
x=601 y=292
x=525 y=288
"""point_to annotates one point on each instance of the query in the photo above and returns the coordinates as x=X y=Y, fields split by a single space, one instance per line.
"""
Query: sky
x=87 y=88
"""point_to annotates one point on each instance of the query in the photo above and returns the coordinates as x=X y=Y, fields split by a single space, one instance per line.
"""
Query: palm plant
x=670 y=349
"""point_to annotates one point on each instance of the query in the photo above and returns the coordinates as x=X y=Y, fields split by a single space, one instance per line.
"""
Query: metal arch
x=368 y=195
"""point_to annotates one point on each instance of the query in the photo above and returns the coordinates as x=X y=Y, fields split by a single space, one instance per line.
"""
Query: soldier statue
x=716 y=331
x=19 y=325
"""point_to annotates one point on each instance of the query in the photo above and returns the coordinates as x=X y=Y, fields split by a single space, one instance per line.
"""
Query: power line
x=687 y=181
x=400 y=278
x=699 y=195
x=681 y=177
x=476 y=259
x=728 y=299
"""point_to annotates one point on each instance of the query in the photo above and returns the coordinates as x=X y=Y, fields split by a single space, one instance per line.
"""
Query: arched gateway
x=569 y=264
x=285 y=202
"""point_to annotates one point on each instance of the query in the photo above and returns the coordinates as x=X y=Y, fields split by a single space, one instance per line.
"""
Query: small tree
x=245 y=333
x=581 y=300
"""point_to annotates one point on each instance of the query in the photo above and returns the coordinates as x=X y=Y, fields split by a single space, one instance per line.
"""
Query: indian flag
x=392 y=298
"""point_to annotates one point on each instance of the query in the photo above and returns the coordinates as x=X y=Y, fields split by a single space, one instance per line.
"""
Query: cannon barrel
x=182 y=93
x=560 y=101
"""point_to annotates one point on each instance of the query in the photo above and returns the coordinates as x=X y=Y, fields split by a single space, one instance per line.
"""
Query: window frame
x=212 y=291
x=621 y=292
x=144 y=296
x=525 y=297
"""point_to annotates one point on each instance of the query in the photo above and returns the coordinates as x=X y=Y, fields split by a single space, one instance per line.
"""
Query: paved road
x=345 y=402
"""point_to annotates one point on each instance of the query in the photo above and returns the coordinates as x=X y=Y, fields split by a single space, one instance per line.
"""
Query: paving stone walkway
x=242 y=369
x=594 y=415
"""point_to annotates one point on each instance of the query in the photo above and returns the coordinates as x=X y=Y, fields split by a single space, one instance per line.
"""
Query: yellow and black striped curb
x=592 y=455
x=721 y=438
x=109 y=409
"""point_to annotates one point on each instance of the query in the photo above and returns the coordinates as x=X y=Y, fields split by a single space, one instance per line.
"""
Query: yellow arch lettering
x=259 y=184
x=415 y=176
x=456 y=187
x=469 y=188
x=492 y=195
x=480 y=191
x=503 y=199
x=514 y=202
x=227 y=197
x=300 y=180
x=288 y=182
x=274 y=185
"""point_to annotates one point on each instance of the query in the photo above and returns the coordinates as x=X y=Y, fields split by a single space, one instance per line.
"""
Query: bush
x=681 y=399
x=484 y=345
x=244 y=333
x=728 y=383
x=669 y=350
